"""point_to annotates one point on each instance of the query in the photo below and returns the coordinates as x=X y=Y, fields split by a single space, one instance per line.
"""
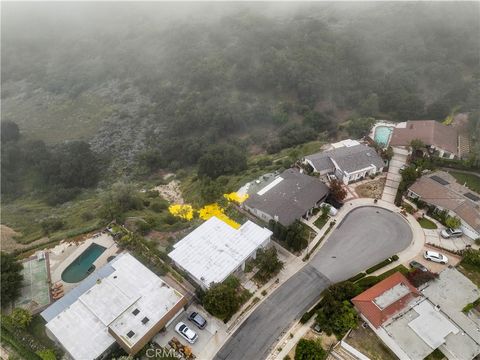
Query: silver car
x=435 y=257
x=451 y=233
x=187 y=333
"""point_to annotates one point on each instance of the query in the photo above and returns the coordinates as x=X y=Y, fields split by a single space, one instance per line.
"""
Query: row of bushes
x=382 y=264
x=455 y=163
x=357 y=277
x=369 y=281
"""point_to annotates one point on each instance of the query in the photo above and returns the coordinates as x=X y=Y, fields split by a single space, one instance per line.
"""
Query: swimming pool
x=83 y=266
x=382 y=135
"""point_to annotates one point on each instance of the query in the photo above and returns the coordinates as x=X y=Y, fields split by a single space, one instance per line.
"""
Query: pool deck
x=62 y=257
x=382 y=123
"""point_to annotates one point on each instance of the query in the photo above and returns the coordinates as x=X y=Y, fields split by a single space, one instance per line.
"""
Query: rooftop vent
x=135 y=312
x=145 y=320
x=130 y=333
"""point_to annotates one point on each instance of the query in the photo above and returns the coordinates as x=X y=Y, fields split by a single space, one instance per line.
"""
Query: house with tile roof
x=385 y=299
x=441 y=190
x=413 y=323
x=440 y=139
x=348 y=161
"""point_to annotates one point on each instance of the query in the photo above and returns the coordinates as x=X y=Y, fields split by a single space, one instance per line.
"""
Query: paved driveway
x=366 y=236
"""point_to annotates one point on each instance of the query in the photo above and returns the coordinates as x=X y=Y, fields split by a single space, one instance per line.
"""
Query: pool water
x=382 y=135
x=83 y=266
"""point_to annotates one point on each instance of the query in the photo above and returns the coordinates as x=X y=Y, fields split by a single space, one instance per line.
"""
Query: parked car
x=416 y=265
x=188 y=334
x=435 y=257
x=198 y=320
x=451 y=233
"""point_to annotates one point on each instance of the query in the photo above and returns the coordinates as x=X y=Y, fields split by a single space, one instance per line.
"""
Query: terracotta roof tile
x=370 y=302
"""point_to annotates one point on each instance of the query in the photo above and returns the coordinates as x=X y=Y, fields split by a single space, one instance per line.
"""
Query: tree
x=121 y=198
x=387 y=154
x=419 y=277
x=337 y=190
x=268 y=263
x=369 y=107
x=211 y=190
x=221 y=300
x=417 y=144
x=222 y=159
x=20 y=318
x=71 y=165
x=335 y=316
x=309 y=350
x=11 y=278
x=10 y=131
x=317 y=121
x=360 y=127
x=453 y=222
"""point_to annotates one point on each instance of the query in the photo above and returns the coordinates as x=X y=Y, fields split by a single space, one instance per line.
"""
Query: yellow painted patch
x=183 y=211
x=214 y=209
x=236 y=197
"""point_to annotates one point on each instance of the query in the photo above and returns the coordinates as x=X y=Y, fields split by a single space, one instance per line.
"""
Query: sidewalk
x=287 y=342
x=393 y=177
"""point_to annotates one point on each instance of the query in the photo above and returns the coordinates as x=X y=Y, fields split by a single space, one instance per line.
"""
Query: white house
x=215 y=250
x=122 y=303
x=348 y=161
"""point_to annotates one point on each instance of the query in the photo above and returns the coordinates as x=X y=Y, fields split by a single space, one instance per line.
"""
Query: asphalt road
x=366 y=236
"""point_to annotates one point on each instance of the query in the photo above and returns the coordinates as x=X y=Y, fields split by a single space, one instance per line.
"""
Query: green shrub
x=51 y=224
x=382 y=264
x=357 y=277
x=309 y=350
x=158 y=205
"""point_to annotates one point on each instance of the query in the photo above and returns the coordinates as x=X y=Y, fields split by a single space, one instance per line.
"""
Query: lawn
x=367 y=342
x=470 y=180
x=470 y=272
x=427 y=224
x=25 y=214
x=321 y=221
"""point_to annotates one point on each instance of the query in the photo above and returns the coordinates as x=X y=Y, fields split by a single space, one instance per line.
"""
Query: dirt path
x=171 y=192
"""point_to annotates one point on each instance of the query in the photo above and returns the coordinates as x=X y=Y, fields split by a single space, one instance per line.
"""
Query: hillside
x=167 y=82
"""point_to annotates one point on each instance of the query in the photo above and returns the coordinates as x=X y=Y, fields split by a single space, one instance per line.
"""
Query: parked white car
x=435 y=257
x=187 y=333
x=451 y=233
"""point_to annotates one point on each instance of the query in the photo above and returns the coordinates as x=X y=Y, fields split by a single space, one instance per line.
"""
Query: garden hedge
x=382 y=264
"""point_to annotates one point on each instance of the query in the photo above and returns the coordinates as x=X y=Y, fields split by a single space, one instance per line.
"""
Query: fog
x=170 y=79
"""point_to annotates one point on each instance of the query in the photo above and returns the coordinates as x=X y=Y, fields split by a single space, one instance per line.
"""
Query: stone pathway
x=393 y=177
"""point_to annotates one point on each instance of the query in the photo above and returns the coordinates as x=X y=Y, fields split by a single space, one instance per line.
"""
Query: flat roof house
x=438 y=137
x=414 y=323
x=288 y=197
x=215 y=250
x=348 y=161
x=122 y=302
x=441 y=190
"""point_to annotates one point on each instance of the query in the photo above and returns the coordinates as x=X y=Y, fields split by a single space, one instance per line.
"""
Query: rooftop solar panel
x=439 y=180
x=472 y=196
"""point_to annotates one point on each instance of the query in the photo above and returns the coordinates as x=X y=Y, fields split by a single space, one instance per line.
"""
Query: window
x=145 y=320
x=130 y=333
x=135 y=312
